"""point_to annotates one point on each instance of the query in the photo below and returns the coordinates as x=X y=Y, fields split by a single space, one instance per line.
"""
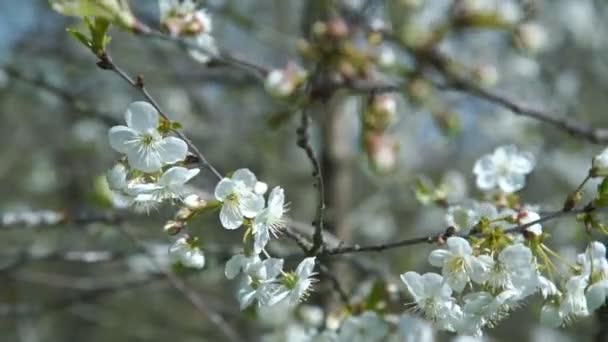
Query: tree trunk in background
x=335 y=152
x=336 y=155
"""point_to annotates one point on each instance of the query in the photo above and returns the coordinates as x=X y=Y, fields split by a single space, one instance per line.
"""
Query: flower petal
x=177 y=175
x=231 y=217
x=437 y=257
x=459 y=246
x=523 y=163
x=306 y=267
x=596 y=295
x=120 y=138
x=172 y=150
x=512 y=182
x=142 y=116
x=251 y=204
x=433 y=284
x=261 y=237
x=144 y=160
x=550 y=316
x=245 y=177
x=224 y=188
x=486 y=181
x=234 y=266
x=484 y=165
x=413 y=282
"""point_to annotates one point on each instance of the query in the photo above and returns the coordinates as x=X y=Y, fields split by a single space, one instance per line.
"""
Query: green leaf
x=601 y=199
x=376 y=300
x=424 y=191
x=176 y=125
x=81 y=37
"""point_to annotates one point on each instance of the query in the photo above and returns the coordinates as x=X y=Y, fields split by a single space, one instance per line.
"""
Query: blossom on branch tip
x=146 y=148
x=459 y=265
x=506 y=168
x=259 y=282
x=239 y=200
x=296 y=285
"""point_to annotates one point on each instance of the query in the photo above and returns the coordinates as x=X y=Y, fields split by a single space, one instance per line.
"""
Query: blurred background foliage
x=56 y=107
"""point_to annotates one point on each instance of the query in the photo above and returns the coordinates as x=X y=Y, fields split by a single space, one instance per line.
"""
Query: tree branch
x=441 y=236
x=189 y=293
x=304 y=143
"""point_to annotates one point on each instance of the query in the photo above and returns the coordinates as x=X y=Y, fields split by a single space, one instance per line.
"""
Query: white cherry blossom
x=295 y=286
x=171 y=185
x=259 y=282
x=433 y=297
x=459 y=265
x=515 y=269
x=506 y=168
x=146 y=149
x=238 y=263
x=238 y=198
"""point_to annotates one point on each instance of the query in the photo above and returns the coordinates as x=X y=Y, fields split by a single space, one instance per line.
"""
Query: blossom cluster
x=151 y=170
x=261 y=277
x=494 y=257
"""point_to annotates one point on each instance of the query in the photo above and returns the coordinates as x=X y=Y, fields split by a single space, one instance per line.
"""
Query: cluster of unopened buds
x=380 y=145
x=283 y=83
x=152 y=171
x=346 y=53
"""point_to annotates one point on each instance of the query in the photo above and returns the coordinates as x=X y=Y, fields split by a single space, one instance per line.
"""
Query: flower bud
x=260 y=188
x=337 y=28
x=173 y=227
x=531 y=37
x=599 y=165
x=486 y=75
x=194 y=202
x=527 y=216
x=284 y=82
x=183 y=214
x=381 y=151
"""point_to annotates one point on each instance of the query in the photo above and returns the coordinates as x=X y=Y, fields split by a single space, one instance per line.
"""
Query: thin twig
x=437 y=237
x=585 y=131
x=304 y=143
x=106 y=63
x=183 y=288
x=222 y=57
x=344 y=297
